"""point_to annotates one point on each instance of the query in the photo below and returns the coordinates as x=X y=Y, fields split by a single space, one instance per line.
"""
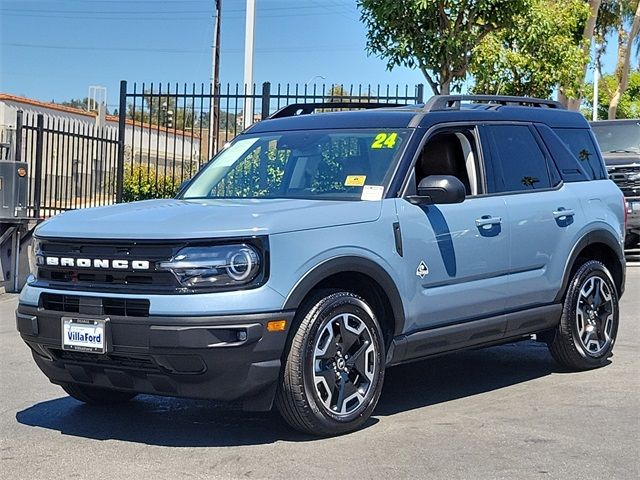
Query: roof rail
x=306 y=108
x=446 y=102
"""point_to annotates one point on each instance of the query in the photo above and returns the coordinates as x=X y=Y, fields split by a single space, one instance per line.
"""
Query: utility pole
x=250 y=26
x=215 y=79
x=596 y=78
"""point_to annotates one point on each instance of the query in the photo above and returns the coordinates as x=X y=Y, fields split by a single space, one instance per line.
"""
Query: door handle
x=488 y=220
x=563 y=213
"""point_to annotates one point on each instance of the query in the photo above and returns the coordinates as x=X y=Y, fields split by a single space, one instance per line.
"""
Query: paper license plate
x=83 y=334
x=635 y=206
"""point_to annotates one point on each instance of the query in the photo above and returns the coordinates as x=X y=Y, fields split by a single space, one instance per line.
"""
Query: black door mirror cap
x=439 y=189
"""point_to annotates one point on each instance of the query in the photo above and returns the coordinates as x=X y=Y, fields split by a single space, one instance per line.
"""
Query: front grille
x=110 y=360
x=622 y=176
x=122 y=307
x=109 y=279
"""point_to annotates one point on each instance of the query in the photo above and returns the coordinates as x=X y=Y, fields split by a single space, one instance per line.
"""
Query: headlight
x=215 y=266
x=33 y=253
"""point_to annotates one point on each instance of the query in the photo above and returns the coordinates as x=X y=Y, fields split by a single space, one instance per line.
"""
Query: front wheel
x=334 y=369
x=589 y=324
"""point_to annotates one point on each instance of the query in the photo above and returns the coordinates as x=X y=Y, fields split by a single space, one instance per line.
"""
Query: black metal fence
x=168 y=131
x=163 y=135
x=71 y=164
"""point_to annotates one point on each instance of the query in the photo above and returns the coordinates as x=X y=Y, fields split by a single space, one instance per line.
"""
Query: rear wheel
x=96 y=396
x=334 y=369
x=588 y=327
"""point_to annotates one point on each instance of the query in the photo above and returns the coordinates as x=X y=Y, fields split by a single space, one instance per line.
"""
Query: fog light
x=241 y=335
x=276 y=326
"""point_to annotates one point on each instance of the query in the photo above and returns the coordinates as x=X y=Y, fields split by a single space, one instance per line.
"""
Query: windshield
x=318 y=164
x=618 y=137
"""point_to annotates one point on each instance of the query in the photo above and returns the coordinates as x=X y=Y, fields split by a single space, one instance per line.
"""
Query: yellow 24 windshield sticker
x=355 y=180
x=385 y=140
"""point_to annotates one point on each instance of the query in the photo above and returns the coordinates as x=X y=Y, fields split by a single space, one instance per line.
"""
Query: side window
x=580 y=144
x=517 y=162
x=451 y=152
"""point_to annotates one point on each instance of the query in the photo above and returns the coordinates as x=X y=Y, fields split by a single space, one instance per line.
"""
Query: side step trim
x=438 y=340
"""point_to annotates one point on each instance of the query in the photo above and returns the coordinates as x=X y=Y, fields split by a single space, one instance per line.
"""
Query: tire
x=333 y=370
x=585 y=336
x=96 y=396
x=631 y=240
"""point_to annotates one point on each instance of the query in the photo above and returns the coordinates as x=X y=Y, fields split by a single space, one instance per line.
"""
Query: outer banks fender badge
x=422 y=270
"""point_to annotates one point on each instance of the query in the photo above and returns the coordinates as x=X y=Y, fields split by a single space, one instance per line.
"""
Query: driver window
x=450 y=153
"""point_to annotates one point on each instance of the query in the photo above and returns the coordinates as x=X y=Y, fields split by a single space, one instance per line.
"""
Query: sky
x=56 y=49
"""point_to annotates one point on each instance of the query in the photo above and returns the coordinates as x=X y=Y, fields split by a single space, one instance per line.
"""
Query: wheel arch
x=358 y=275
x=599 y=245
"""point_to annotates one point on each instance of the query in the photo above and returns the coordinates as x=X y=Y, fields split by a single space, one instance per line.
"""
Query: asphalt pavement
x=505 y=412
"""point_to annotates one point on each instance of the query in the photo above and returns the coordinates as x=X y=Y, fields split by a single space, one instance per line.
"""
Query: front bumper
x=195 y=357
x=633 y=214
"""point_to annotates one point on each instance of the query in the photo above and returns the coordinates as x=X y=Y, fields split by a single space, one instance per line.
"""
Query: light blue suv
x=318 y=249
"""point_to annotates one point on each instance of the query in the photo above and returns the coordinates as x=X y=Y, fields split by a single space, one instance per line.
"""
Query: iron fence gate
x=71 y=164
x=168 y=131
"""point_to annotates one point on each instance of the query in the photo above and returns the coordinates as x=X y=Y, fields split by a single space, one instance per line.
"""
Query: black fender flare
x=596 y=236
x=344 y=264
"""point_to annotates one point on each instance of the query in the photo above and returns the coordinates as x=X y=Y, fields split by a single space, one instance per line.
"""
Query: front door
x=456 y=256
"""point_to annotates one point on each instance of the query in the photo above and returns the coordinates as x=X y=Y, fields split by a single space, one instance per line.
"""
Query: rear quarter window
x=579 y=142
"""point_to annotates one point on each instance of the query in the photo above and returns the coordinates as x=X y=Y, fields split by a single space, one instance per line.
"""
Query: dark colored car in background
x=619 y=142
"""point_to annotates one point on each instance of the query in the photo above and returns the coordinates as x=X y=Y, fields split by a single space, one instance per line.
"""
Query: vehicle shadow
x=194 y=423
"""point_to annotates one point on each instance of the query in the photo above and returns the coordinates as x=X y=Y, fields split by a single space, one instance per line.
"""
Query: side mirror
x=439 y=189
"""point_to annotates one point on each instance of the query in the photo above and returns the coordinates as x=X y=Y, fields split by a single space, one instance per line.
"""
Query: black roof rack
x=306 y=108
x=447 y=102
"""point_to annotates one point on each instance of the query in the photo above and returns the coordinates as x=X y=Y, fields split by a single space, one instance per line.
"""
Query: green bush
x=142 y=183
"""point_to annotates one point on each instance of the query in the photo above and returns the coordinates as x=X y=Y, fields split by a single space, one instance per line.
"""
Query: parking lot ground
x=503 y=412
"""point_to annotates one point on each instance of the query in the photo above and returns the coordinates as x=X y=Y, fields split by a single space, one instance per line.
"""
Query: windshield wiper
x=624 y=151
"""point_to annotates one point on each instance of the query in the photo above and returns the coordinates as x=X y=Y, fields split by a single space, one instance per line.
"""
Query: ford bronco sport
x=318 y=249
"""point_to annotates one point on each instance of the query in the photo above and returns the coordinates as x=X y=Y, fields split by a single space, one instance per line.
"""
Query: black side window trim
x=471 y=127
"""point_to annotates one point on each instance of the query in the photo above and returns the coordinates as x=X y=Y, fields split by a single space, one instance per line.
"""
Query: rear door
x=542 y=215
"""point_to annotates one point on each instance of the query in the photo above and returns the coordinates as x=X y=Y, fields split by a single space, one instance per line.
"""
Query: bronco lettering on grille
x=93 y=263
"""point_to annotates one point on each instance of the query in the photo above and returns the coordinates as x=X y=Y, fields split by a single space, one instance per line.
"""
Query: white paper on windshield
x=372 y=193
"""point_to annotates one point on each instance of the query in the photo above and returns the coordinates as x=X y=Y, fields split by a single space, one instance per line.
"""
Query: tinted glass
x=618 y=136
x=518 y=161
x=580 y=144
x=319 y=164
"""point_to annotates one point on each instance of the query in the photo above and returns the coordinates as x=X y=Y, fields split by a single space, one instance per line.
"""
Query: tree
x=541 y=51
x=629 y=104
x=628 y=28
x=80 y=104
x=437 y=36
x=587 y=37
x=163 y=111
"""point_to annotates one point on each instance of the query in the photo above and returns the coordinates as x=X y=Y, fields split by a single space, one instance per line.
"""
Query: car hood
x=187 y=219
x=616 y=159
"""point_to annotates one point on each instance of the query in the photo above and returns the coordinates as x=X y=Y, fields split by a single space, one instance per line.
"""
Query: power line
x=299 y=48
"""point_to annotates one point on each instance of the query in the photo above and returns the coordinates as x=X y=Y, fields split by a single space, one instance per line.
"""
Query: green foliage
x=261 y=172
x=436 y=36
x=258 y=174
x=154 y=110
x=611 y=15
x=143 y=183
x=81 y=104
x=629 y=106
x=541 y=50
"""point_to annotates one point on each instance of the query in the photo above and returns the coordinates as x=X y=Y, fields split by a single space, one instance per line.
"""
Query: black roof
x=442 y=109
